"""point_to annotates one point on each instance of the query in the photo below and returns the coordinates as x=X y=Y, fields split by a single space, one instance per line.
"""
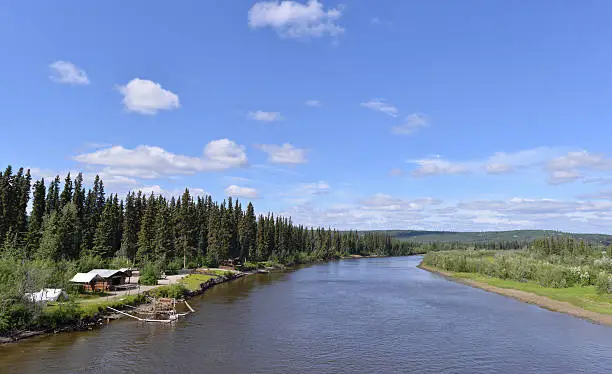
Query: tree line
x=68 y=222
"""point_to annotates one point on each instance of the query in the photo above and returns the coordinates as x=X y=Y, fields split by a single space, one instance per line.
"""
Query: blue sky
x=472 y=115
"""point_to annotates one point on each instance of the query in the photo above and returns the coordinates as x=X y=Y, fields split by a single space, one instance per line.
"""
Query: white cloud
x=383 y=211
x=388 y=203
x=411 y=124
x=147 y=97
x=313 y=103
x=438 y=166
x=68 y=73
x=570 y=167
x=498 y=163
x=499 y=168
x=316 y=188
x=160 y=191
x=284 y=154
x=265 y=116
x=380 y=105
x=236 y=191
x=564 y=176
x=600 y=195
x=292 y=19
x=151 y=162
x=375 y=21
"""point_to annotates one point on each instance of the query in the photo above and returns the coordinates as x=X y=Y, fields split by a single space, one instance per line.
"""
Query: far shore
x=530 y=298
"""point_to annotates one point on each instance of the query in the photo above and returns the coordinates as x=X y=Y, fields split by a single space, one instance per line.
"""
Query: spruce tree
x=53 y=196
x=66 y=195
x=36 y=218
x=129 y=240
x=248 y=234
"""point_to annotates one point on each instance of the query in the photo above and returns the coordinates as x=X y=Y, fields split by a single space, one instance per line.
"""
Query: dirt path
x=542 y=301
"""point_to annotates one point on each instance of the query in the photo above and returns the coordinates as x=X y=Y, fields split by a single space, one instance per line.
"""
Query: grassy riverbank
x=560 y=275
x=582 y=302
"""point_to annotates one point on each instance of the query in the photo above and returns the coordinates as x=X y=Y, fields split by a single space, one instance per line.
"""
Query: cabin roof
x=84 y=277
x=106 y=273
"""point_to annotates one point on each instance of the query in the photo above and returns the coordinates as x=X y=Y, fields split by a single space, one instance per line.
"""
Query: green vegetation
x=175 y=291
x=193 y=281
x=585 y=297
x=558 y=267
x=74 y=229
x=149 y=274
x=486 y=240
x=89 y=309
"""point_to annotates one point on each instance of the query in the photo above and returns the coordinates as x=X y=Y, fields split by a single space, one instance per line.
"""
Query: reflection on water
x=367 y=315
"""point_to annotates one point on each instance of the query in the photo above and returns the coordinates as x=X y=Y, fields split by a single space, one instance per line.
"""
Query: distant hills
x=490 y=236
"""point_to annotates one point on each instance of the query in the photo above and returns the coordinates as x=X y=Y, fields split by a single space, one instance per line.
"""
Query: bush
x=174 y=266
x=248 y=266
x=175 y=291
x=119 y=263
x=603 y=283
x=63 y=314
x=14 y=315
x=149 y=274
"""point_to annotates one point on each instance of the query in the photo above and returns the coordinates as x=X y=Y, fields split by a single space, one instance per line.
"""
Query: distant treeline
x=68 y=222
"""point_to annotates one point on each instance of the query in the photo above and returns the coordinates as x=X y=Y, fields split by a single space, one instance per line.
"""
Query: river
x=378 y=315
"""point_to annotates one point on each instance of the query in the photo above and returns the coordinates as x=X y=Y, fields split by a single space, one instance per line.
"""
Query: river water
x=379 y=315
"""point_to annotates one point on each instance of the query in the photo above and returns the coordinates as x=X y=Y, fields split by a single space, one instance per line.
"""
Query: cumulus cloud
x=389 y=203
x=498 y=163
x=438 y=166
x=151 y=162
x=316 y=188
x=600 y=195
x=411 y=124
x=313 y=103
x=284 y=154
x=265 y=116
x=68 y=73
x=382 y=211
x=147 y=97
x=571 y=167
x=292 y=19
x=160 y=191
x=380 y=105
x=246 y=192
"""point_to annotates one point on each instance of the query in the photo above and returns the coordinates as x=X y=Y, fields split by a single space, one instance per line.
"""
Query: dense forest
x=517 y=236
x=50 y=230
x=69 y=222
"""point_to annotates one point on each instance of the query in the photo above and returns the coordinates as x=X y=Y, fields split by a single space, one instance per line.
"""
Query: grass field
x=193 y=281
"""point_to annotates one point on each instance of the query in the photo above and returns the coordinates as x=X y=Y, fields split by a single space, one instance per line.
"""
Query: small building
x=100 y=279
x=46 y=295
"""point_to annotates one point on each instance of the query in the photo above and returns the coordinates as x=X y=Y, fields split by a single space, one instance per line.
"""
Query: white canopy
x=46 y=294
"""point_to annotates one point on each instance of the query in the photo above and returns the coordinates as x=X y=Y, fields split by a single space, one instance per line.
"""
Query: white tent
x=46 y=294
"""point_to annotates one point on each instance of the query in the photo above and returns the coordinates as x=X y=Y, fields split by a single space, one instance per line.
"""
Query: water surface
x=351 y=316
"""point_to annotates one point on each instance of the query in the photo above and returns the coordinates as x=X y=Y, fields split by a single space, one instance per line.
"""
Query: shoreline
x=529 y=298
x=104 y=318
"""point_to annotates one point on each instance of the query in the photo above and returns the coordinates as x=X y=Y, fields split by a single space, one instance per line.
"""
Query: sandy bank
x=527 y=297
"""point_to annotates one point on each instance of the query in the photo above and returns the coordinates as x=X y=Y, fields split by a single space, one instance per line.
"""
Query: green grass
x=193 y=281
x=583 y=297
x=90 y=308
